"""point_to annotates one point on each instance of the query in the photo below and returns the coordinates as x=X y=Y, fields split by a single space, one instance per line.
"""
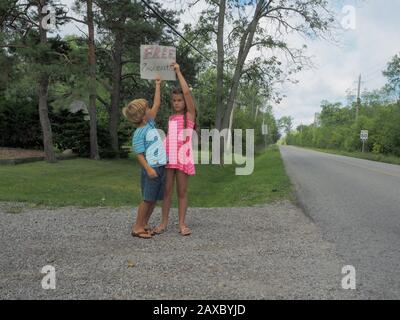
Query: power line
x=373 y=75
x=174 y=30
x=370 y=73
x=382 y=63
x=371 y=79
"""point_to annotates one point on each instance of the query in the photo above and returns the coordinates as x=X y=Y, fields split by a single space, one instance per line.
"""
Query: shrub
x=20 y=128
x=19 y=124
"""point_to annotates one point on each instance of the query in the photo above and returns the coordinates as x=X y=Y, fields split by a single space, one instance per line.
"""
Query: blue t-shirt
x=147 y=140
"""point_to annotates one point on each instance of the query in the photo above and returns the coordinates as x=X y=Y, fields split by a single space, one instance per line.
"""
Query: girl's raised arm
x=186 y=90
x=157 y=98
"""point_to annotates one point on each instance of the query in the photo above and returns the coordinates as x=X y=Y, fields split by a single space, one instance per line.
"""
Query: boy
x=148 y=146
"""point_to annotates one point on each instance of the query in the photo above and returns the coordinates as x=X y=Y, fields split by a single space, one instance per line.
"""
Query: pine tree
x=25 y=27
x=125 y=25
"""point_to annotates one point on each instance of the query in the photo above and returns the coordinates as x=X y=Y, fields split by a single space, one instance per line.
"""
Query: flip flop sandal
x=146 y=227
x=161 y=231
x=139 y=234
x=185 y=231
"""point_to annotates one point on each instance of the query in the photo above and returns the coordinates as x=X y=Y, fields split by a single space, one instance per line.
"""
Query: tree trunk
x=114 y=111
x=245 y=46
x=220 y=77
x=220 y=64
x=43 y=94
x=94 y=149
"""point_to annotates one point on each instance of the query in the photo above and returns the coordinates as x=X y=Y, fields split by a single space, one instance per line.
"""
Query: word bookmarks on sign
x=155 y=59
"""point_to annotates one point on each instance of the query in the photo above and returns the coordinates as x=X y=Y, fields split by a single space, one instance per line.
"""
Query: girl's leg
x=166 y=205
x=181 y=188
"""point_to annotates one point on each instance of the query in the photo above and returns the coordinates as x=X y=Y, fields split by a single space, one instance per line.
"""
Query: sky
x=364 y=49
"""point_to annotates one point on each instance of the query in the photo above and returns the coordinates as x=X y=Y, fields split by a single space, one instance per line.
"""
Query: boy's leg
x=147 y=206
x=141 y=219
x=149 y=212
x=166 y=205
x=181 y=188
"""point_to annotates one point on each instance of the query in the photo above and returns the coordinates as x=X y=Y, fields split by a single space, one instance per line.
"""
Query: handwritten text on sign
x=155 y=60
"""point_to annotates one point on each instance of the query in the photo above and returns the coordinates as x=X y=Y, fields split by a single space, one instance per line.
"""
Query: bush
x=377 y=148
x=19 y=124
x=20 y=128
x=72 y=131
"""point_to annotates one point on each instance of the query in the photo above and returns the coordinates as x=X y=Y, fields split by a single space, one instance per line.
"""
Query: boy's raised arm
x=186 y=90
x=157 y=99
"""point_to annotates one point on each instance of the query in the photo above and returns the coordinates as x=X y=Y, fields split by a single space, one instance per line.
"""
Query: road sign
x=264 y=129
x=364 y=135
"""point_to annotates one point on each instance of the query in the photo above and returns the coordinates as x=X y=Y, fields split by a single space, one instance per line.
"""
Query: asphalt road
x=356 y=204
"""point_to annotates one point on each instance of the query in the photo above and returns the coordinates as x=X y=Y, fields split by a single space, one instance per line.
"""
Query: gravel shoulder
x=266 y=252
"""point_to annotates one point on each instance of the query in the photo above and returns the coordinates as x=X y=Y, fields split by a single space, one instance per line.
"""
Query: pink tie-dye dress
x=178 y=144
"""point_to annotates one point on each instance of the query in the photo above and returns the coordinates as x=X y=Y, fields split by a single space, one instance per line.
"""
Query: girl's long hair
x=179 y=91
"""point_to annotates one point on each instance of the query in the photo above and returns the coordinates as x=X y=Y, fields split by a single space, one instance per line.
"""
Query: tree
x=25 y=25
x=94 y=149
x=334 y=114
x=89 y=21
x=43 y=90
x=311 y=18
x=123 y=26
x=285 y=123
x=392 y=73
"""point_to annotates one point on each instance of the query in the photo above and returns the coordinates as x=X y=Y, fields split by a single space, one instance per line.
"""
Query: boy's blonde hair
x=135 y=111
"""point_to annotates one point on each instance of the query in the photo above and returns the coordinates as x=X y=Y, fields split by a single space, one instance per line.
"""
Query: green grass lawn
x=114 y=183
x=361 y=155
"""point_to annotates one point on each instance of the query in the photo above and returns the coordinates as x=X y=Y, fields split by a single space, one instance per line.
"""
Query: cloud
x=365 y=50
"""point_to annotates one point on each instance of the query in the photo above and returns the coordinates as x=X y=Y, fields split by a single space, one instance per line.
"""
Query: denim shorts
x=153 y=189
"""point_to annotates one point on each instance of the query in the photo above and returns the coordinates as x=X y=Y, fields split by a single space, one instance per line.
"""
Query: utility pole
x=358 y=106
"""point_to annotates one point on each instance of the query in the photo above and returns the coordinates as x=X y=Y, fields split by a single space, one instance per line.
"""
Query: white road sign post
x=155 y=59
x=363 y=137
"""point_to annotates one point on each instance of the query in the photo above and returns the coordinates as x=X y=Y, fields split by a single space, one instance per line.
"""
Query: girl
x=179 y=151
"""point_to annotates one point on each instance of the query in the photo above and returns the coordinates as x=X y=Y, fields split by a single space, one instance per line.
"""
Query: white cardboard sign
x=155 y=59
